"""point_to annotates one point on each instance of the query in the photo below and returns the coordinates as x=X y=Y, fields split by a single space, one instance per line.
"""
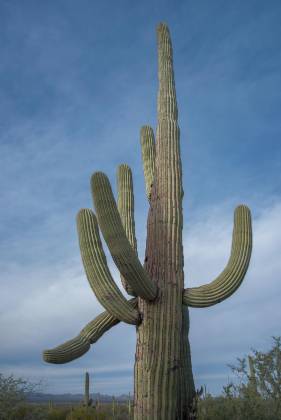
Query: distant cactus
x=164 y=386
x=113 y=407
x=129 y=406
x=87 y=400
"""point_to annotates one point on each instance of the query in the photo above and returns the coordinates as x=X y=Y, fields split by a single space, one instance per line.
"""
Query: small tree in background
x=13 y=395
x=268 y=372
x=256 y=393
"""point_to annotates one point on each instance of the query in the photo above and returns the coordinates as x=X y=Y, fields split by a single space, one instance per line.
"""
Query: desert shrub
x=58 y=413
x=120 y=413
x=255 y=394
x=222 y=408
x=85 y=413
x=13 y=394
x=28 y=412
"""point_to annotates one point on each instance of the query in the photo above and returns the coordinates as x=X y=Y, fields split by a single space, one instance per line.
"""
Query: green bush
x=254 y=395
x=58 y=413
x=222 y=408
x=85 y=413
x=27 y=412
x=13 y=397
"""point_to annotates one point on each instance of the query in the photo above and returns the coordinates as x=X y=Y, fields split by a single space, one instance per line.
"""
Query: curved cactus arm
x=114 y=234
x=231 y=277
x=68 y=351
x=75 y=348
x=97 y=271
x=126 y=210
x=148 y=157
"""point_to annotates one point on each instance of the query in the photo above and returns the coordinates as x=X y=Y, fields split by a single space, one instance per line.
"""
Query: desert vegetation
x=253 y=394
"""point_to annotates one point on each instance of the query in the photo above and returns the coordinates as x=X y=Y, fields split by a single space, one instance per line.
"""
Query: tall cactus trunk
x=164 y=387
x=160 y=371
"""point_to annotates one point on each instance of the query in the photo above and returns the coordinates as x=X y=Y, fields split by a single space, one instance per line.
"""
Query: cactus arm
x=148 y=157
x=126 y=210
x=231 y=277
x=126 y=203
x=97 y=271
x=114 y=234
x=68 y=351
x=79 y=345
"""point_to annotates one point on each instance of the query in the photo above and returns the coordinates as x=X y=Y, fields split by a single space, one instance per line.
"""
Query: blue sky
x=78 y=80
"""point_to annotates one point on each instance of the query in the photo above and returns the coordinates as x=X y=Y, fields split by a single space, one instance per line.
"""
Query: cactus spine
x=164 y=386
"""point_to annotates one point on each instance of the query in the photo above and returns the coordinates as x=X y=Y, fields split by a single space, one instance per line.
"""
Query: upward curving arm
x=231 y=277
x=97 y=271
x=126 y=211
x=114 y=234
x=79 y=345
x=148 y=157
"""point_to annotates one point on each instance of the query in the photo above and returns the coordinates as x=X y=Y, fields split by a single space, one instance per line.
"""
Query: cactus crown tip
x=162 y=26
x=83 y=210
x=46 y=356
x=163 y=33
x=242 y=207
x=98 y=177
x=123 y=166
x=145 y=128
x=82 y=215
x=97 y=174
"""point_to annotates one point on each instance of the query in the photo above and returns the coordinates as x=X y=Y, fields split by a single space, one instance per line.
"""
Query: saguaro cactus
x=129 y=406
x=114 y=405
x=87 y=400
x=164 y=387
